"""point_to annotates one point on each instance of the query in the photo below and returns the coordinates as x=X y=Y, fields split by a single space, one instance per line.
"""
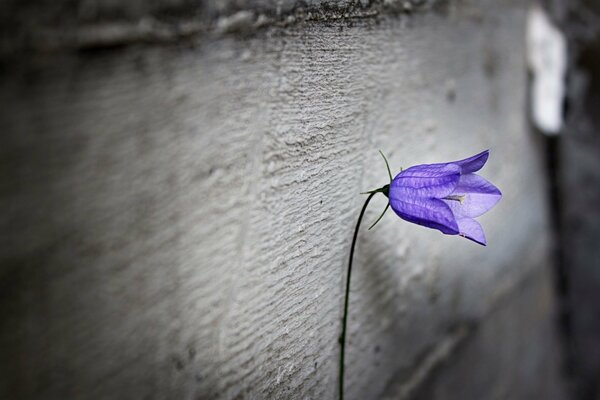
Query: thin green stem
x=380 y=190
x=347 y=295
x=381 y=216
x=387 y=165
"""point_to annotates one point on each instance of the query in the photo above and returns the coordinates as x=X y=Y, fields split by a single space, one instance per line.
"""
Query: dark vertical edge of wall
x=574 y=160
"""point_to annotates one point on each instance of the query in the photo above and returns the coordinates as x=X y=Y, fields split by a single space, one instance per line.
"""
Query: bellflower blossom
x=445 y=196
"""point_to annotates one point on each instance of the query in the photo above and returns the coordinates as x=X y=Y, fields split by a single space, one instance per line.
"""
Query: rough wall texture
x=51 y=25
x=177 y=218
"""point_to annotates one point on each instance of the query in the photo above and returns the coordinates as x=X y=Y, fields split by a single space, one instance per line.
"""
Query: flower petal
x=477 y=196
x=429 y=212
x=474 y=163
x=471 y=229
x=427 y=180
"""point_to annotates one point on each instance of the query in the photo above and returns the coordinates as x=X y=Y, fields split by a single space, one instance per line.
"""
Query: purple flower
x=445 y=196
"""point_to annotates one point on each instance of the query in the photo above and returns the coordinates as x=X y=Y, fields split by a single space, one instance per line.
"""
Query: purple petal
x=477 y=196
x=427 y=180
x=432 y=213
x=471 y=229
x=473 y=164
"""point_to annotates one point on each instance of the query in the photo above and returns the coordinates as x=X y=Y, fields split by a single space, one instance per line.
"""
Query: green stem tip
x=387 y=165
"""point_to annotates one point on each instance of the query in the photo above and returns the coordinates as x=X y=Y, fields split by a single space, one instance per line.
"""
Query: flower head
x=445 y=196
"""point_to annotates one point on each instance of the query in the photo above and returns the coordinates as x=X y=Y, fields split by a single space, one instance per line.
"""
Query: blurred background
x=180 y=179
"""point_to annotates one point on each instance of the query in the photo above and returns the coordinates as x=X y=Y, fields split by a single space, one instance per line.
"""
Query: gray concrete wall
x=177 y=216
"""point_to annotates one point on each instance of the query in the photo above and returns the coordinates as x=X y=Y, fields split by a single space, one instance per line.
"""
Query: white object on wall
x=547 y=58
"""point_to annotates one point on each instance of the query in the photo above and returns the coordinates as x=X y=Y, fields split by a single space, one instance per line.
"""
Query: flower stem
x=347 y=295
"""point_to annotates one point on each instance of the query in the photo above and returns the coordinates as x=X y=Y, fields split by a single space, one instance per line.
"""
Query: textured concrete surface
x=513 y=343
x=176 y=219
x=54 y=26
x=86 y=11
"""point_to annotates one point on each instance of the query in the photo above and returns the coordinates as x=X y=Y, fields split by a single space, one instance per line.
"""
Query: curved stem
x=347 y=295
x=387 y=165
x=381 y=216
